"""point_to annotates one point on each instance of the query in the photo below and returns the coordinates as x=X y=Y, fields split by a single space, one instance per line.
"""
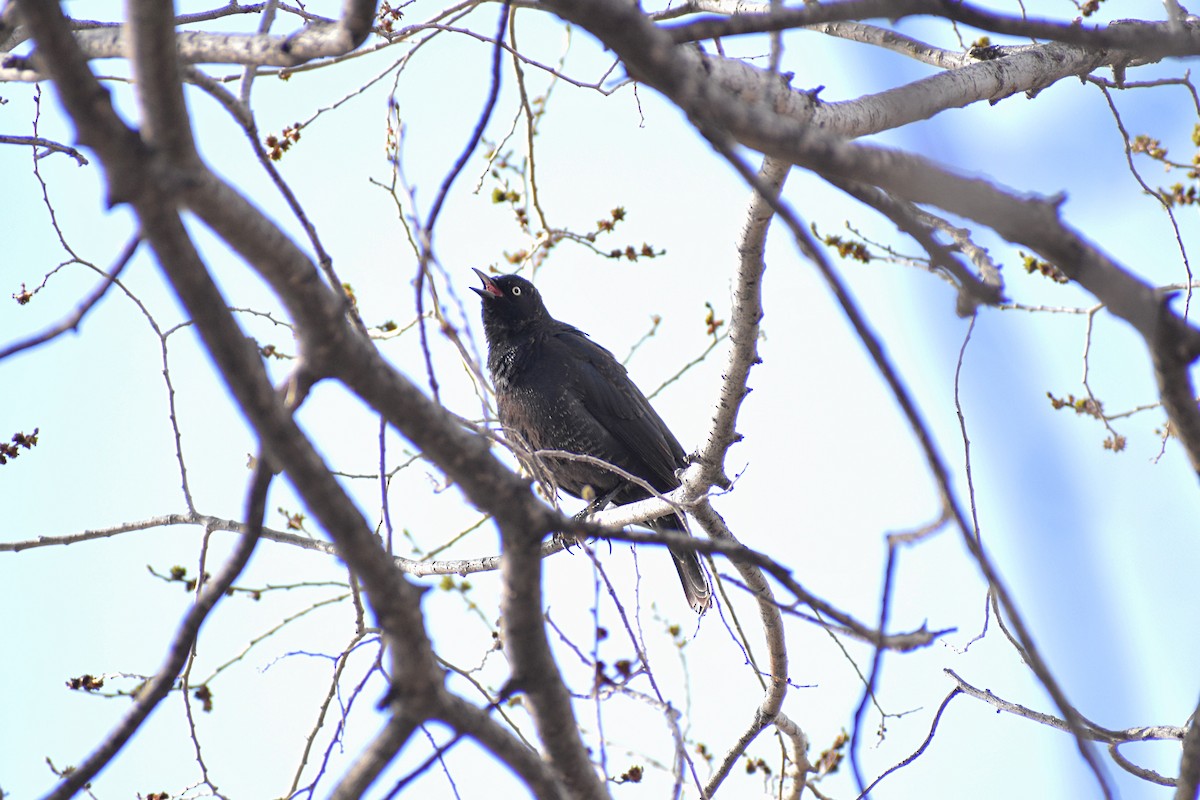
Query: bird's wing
x=608 y=394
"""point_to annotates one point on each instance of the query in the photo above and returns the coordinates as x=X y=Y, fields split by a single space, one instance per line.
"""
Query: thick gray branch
x=396 y=602
x=1189 y=763
x=375 y=757
x=156 y=70
x=1148 y=40
x=679 y=73
x=316 y=40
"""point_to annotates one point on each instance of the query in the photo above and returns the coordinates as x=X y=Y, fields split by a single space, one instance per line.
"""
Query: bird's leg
x=592 y=507
x=599 y=503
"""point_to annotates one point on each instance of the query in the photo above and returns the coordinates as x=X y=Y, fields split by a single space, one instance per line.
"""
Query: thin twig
x=72 y=322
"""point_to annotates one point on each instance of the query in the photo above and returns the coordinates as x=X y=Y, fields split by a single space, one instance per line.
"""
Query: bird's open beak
x=490 y=289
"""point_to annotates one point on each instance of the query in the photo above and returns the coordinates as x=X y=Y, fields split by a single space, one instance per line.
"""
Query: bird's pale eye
x=516 y=290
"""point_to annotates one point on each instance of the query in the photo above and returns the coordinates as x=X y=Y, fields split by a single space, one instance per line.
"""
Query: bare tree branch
x=1150 y=41
x=682 y=76
x=395 y=601
x=177 y=654
x=534 y=670
x=777 y=671
x=1189 y=763
x=318 y=40
x=526 y=762
x=933 y=727
x=156 y=70
x=72 y=322
x=1092 y=731
x=51 y=146
x=375 y=757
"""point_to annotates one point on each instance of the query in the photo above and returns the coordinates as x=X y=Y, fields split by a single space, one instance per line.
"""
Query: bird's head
x=509 y=302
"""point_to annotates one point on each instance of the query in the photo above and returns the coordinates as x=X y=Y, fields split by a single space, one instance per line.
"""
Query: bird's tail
x=691 y=570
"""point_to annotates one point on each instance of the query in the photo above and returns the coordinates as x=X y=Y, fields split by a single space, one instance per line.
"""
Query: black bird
x=556 y=389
